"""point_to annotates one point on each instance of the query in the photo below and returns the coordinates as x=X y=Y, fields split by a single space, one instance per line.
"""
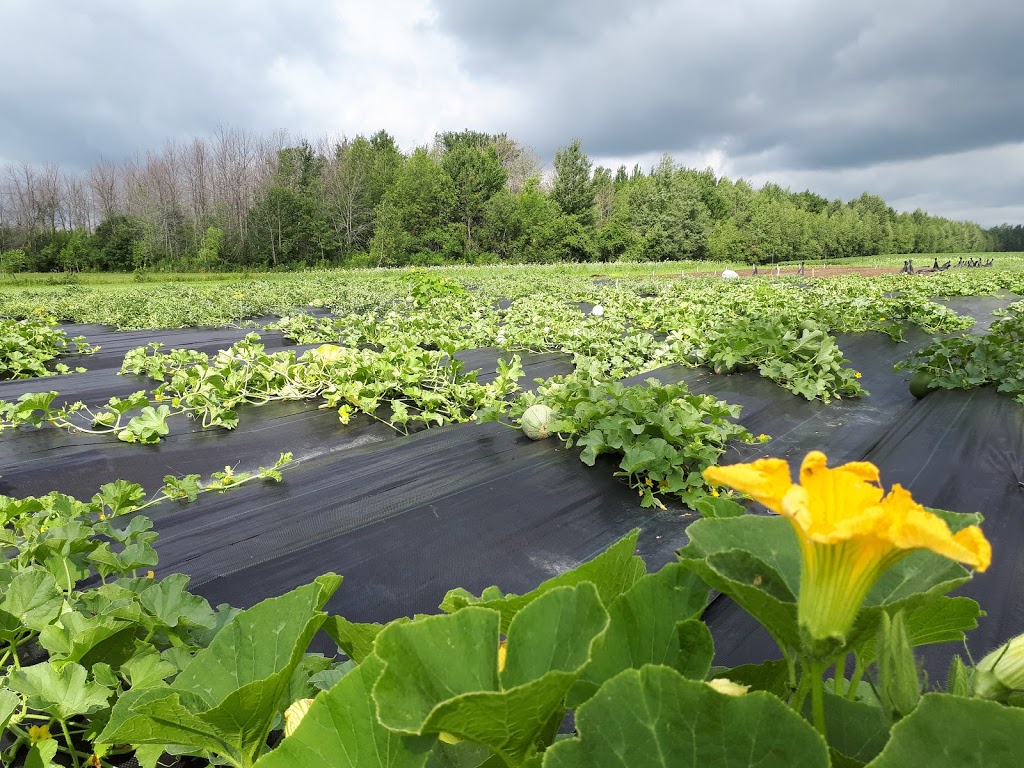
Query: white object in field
x=729 y=274
x=597 y=311
x=778 y=271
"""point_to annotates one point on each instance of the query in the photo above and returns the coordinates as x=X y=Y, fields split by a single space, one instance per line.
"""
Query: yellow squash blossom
x=38 y=734
x=294 y=714
x=849 y=532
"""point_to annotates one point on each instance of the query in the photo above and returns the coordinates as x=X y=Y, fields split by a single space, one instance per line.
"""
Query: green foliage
x=952 y=732
x=995 y=358
x=664 y=434
x=27 y=346
x=573 y=190
x=71 y=595
x=694 y=726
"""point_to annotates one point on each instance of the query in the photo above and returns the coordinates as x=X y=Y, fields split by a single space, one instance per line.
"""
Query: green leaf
x=757 y=587
x=145 y=670
x=62 y=693
x=227 y=697
x=655 y=717
x=854 y=729
x=119 y=496
x=719 y=506
x=950 y=732
x=442 y=674
x=67 y=571
x=464 y=754
x=612 y=572
x=341 y=730
x=9 y=701
x=696 y=649
x=33 y=598
x=76 y=635
x=943 y=619
x=355 y=640
x=41 y=755
x=169 y=601
x=643 y=628
x=770 y=676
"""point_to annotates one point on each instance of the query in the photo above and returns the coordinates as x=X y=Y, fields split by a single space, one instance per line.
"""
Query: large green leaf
x=770 y=676
x=442 y=673
x=76 y=635
x=743 y=560
x=951 y=732
x=33 y=598
x=612 y=572
x=341 y=730
x=9 y=701
x=169 y=601
x=464 y=754
x=355 y=640
x=940 y=620
x=654 y=717
x=642 y=628
x=854 y=729
x=63 y=693
x=227 y=697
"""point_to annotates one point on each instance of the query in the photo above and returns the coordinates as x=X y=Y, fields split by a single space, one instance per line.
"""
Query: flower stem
x=840 y=677
x=858 y=673
x=818 y=697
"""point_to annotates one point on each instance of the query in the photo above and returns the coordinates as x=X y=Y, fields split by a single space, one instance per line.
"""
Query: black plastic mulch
x=404 y=520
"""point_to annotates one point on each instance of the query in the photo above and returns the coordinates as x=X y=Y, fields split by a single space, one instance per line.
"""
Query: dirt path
x=809 y=271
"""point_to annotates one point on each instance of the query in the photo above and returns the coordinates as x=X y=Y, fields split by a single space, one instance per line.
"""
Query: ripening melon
x=536 y=421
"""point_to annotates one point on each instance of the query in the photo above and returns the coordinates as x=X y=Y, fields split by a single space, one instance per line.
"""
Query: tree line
x=237 y=200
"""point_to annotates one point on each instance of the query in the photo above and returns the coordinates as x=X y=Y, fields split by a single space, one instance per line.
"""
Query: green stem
x=797 y=702
x=818 y=698
x=71 y=746
x=858 y=673
x=840 y=677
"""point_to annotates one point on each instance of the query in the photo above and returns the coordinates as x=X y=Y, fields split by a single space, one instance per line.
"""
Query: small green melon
x=921 y=384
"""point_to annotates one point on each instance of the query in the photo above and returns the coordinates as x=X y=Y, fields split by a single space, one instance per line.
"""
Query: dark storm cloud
x=112 y=78
x=813 y=84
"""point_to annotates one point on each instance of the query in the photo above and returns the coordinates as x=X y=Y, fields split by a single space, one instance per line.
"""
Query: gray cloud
x=112 y=78
x=885 y=95
x=821 y=84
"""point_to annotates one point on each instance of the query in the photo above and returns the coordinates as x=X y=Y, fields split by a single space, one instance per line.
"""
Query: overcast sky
x=920 y=101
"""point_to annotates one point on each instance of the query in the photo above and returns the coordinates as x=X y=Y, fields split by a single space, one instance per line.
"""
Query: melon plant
x=536 y=421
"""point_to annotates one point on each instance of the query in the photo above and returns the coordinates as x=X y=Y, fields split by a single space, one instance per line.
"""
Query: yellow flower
x=150 y=575
x=715 y=493
x=881 y=319
x=856 y=374
x=763 y=438
x=294 y=714
x=849 y=532
x=38 y=733
x=344 y=414
x=648 y=482
x=726 y=686
x=502 y=653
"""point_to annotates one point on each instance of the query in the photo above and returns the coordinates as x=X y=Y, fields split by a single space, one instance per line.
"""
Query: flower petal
x=837 y=495
x=911 y=526
x=766 y=480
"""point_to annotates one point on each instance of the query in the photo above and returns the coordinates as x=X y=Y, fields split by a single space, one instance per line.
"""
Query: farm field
x=174 y=452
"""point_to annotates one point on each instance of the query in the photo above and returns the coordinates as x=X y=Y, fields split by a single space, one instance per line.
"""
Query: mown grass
x=100 y=280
